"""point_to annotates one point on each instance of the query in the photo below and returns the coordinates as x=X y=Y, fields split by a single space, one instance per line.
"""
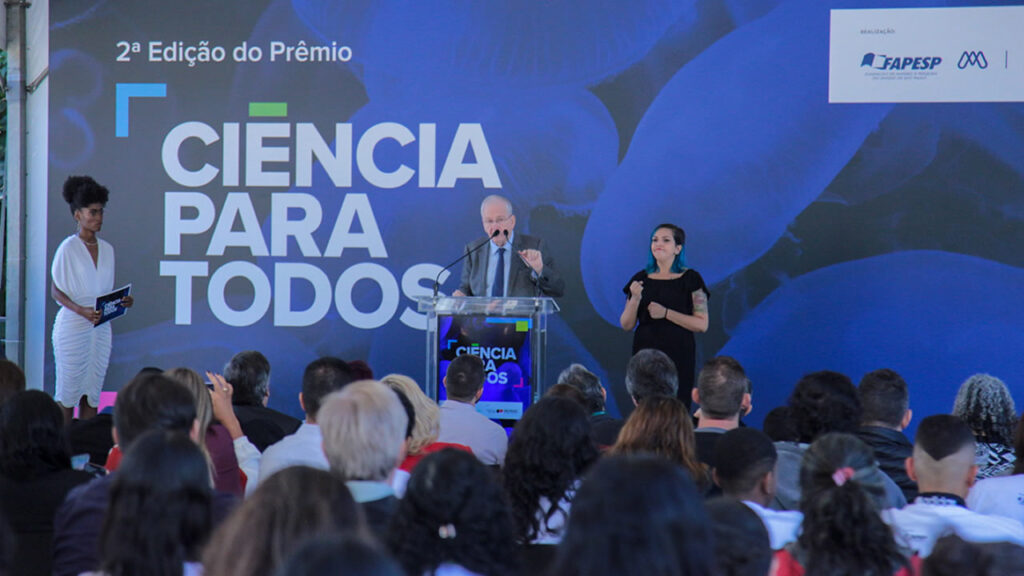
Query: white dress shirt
x=303 y=448
x=462 y=424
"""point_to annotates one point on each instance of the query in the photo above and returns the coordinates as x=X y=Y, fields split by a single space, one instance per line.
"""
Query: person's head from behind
x=249 y=375
x=321 y=377
x=985 y=404
x=364 y=427
x=293 y=503
x=651 y=373
x=577 y=376
x=32 y=439
x=722 y=389
x=636 y=515
x=953 y=556
x=779 y=425
x=323 y=554
x=453 y=512
x=944 y=456
x=549 y=451
x=569 y=393
x=842 y=491
x=742 y=545
x=884 y=400
x=12 y=379
x=153 y=402
x=745 y=468
x=662 y=425
x=824 y=402
x=427 y=423
x=464 y=380
x=160 y=510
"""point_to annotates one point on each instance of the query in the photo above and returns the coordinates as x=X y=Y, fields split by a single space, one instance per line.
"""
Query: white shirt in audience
x=462 y=424
x=1003 y=496
x=551 y=532
x=303 y=448
x=917 y=526
x=783 y=525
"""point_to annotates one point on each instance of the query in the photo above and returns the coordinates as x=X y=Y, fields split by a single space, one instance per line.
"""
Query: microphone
x=437 y=280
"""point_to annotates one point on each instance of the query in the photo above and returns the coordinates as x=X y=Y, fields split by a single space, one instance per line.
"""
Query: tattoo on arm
x=700 y=303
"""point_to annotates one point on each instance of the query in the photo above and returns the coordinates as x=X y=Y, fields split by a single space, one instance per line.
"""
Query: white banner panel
x=927 y=55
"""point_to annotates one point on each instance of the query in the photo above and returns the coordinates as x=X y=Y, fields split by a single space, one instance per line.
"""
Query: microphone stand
x=437 y=280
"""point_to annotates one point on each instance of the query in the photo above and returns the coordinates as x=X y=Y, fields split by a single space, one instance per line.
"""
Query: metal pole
x=14 y=329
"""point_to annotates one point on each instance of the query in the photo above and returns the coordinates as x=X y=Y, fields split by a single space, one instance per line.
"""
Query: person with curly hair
x=550 y=450
x=637 y=515
x=843 y=533
x=82 y=270
x=821 y=402
x=989 y=496
x=661 y=425
x=985 y=404
x=453 y=520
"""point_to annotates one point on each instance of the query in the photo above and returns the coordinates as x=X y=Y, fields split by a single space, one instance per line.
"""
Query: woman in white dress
x=83 y=269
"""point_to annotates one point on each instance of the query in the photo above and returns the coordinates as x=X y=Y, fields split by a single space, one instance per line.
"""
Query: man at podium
x=509 y=264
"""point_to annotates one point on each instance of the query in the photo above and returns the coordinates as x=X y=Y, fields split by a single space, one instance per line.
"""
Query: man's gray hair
x=363 y=428
x=577 y=376
x=497 y=198
x=651 y=373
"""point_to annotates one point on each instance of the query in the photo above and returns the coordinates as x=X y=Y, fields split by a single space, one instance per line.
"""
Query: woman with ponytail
x=842 y=533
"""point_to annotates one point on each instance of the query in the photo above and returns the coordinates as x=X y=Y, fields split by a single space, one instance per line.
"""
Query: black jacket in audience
x=604 y=429
x=265 y=426
x=892 y=448
x=92 y=437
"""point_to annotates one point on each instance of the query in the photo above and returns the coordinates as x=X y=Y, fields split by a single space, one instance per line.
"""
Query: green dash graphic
x=268 y=109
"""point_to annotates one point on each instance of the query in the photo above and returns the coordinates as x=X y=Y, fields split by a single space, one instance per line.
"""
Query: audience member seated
x=746 y=472
x=568 y=392
x=842 y=531
x=636 y=516
x=215 y=441
x=986 y=406
x=305 y=447
x=723 y=395
x=885 y=413
x=35 y=476
x=427 y=424
x=953 y=556
x=249 y=375
x=364 y=429
x=604 y=428
x=321 y=555
x=295 y=503
x=943 y=466
x=821 y=402
x=742 y=546
x=778 y=425
x=661 y=425
x=549 y=452
x=460 y=422
x=651 y=373
x=1003 y=496
x=148 y=402
x=453 y=520
x=160 y=510
x=12 y=380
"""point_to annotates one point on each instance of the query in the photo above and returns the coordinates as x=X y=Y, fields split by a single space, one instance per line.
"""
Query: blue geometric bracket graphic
x=125 y=92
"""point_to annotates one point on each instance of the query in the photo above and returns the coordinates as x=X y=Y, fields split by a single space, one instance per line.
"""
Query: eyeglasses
x=498 y=221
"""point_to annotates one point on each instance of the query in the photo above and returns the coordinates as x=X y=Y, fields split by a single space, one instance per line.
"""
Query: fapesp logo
x=971 y=58
x=884 y=62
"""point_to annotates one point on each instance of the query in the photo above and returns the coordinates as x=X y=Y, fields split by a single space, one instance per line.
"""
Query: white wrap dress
x=81 y=351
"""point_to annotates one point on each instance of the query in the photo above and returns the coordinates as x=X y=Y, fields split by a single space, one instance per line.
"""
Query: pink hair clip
x=841 y=475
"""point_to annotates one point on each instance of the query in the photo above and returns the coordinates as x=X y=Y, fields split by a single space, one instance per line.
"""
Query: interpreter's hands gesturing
x=636 y=288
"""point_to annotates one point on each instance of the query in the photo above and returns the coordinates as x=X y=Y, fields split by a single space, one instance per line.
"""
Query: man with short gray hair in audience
x=363 y=427
x=651 y=373
x=604 y=428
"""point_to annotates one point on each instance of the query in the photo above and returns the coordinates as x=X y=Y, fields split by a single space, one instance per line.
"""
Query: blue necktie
x=498 y=288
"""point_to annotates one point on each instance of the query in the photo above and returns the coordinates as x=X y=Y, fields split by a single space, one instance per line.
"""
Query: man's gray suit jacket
x=520 y=281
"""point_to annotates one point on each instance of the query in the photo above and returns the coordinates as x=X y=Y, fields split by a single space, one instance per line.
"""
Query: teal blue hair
x=679 y=235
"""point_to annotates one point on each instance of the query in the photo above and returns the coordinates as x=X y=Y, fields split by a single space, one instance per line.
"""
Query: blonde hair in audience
x=204 y=405
x=428 y=416
x=363 y=427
